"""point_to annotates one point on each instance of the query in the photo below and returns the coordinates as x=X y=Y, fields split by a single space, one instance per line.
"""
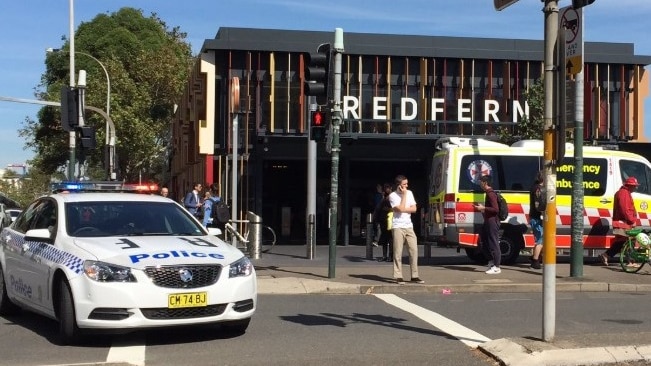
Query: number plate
x=187 y=300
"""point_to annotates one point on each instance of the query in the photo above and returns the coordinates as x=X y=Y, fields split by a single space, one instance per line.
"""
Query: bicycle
x=634 y=254
x=241 y=241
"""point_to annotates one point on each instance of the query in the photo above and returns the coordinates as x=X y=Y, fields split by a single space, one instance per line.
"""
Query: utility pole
x=71 y=134
x=549 y=156
x=336 y=123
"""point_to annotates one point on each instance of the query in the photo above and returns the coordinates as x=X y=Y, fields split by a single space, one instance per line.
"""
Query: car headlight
x=241 y=267
x=105 y=272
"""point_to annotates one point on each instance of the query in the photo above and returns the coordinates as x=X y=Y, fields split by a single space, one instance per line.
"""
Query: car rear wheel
x=68 y=330
x=6 y=306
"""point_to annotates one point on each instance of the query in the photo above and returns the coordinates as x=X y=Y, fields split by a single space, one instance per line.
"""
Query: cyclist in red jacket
x=624 y=218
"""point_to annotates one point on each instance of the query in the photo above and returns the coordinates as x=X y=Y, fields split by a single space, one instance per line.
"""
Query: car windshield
x=14 y=214
x=100 y=219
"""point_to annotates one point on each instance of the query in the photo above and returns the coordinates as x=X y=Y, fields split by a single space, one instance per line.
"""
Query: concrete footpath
x=287 y=270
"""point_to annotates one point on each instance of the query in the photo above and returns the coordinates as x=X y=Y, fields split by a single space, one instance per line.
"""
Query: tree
x=148 y=65
x=530 y=127
x=29 y=187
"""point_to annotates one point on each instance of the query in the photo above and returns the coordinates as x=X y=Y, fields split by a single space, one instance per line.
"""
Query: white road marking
x=465 y=335
x=127 y=352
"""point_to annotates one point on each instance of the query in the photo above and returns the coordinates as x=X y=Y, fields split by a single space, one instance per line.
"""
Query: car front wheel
x=6 y=306
x=68 y=330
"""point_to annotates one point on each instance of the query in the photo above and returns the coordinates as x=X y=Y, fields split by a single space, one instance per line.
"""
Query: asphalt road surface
x=402 y=329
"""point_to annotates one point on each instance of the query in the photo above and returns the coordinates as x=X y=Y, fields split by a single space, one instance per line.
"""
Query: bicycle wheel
x=268 y=239
x=632 y=259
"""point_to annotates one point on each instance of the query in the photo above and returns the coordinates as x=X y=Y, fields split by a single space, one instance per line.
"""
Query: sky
x=32 y=26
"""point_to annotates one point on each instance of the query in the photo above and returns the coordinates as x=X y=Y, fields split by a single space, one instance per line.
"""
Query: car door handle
x=605 y=200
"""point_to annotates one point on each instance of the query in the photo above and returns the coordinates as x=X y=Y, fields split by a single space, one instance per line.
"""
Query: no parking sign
x=571 y=22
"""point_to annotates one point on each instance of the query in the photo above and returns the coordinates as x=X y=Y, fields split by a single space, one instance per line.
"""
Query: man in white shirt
x=403 y=205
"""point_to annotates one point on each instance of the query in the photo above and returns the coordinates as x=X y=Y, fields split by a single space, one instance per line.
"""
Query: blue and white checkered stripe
x=47 y=252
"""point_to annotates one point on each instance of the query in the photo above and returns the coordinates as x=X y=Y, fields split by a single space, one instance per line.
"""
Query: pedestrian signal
x=318 y=126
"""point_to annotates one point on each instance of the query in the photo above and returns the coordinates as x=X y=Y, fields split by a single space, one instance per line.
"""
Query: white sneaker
x=494 y=270
x=490 y=264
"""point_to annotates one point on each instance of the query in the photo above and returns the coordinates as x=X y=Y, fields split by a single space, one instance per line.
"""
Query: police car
x=96 y=259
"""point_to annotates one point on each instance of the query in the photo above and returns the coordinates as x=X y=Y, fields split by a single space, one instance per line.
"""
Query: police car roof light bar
x=111 y=186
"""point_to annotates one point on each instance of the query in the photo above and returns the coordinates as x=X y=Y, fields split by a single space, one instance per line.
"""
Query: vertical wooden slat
x=422 y=93
x=359 y=96
x=272 y=93
x=388 y=93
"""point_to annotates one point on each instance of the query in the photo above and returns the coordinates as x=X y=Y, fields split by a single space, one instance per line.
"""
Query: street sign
x=571 y=22
x=501 y=4
x=570 y=104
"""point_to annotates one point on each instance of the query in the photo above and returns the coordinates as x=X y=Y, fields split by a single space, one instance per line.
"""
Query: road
x=414 y=329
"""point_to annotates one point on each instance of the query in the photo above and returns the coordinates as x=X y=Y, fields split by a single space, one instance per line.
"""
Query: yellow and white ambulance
x=459 y=162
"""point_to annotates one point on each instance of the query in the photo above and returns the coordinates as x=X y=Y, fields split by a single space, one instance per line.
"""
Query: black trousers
x=490 y=240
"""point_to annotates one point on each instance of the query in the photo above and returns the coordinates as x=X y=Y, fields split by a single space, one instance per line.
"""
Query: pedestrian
x=490 y=230
x=213 y=198
x=382 y=217
x=537 y=204
x=192 y=201
x=403 y=204
x=165 y=192
x=624 y=218
x=378 y=197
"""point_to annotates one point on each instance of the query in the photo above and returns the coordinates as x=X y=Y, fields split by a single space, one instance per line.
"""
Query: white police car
x=102 y=260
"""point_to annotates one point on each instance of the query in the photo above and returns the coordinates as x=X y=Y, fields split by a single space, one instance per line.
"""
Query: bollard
x=311 y=237
x=255 y=234
x=369 y=236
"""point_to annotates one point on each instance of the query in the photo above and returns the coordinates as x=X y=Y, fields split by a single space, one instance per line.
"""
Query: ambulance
x=453 y=188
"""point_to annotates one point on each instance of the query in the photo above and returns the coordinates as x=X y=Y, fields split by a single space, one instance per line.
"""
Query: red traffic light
x=317 y=118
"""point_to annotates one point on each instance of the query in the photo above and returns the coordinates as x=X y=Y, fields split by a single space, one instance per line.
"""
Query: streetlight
x=109 y=136
x=108 y=80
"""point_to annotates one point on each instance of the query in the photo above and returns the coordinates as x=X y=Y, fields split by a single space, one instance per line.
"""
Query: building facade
x=399 y=94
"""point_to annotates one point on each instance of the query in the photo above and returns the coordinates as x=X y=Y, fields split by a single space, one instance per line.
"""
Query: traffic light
x=318 y=126
x=86 y=137
x=69 y=108
x=576 y=4
x=317 y=74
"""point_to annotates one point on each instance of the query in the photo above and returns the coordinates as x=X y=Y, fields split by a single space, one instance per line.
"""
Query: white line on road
x=465 y=335
x=127 y=352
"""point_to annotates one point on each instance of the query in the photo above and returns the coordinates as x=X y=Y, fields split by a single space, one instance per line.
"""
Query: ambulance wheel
x=476 y=256
x=510 y=249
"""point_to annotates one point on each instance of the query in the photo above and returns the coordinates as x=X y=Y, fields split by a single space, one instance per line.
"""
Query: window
x=640 y=171
x=509 y=173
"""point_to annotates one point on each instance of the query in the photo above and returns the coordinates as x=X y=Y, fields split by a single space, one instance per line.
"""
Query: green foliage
x=26 y=189
x=148 y=66
x=531 y=127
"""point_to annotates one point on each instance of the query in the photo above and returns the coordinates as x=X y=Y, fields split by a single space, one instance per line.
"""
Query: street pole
x=576 y=250
x=235 y=108
x=110 y=134
x=71 y=134
x=336 y=123
x=109 y=143
x=81 y=89
x=549 y=134
x=310 y=213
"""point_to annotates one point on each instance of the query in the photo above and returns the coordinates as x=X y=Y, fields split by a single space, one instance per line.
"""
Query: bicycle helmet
x=631 y=181
x=643 y=239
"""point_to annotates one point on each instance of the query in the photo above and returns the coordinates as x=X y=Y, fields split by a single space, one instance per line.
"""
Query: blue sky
x=32 y=26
